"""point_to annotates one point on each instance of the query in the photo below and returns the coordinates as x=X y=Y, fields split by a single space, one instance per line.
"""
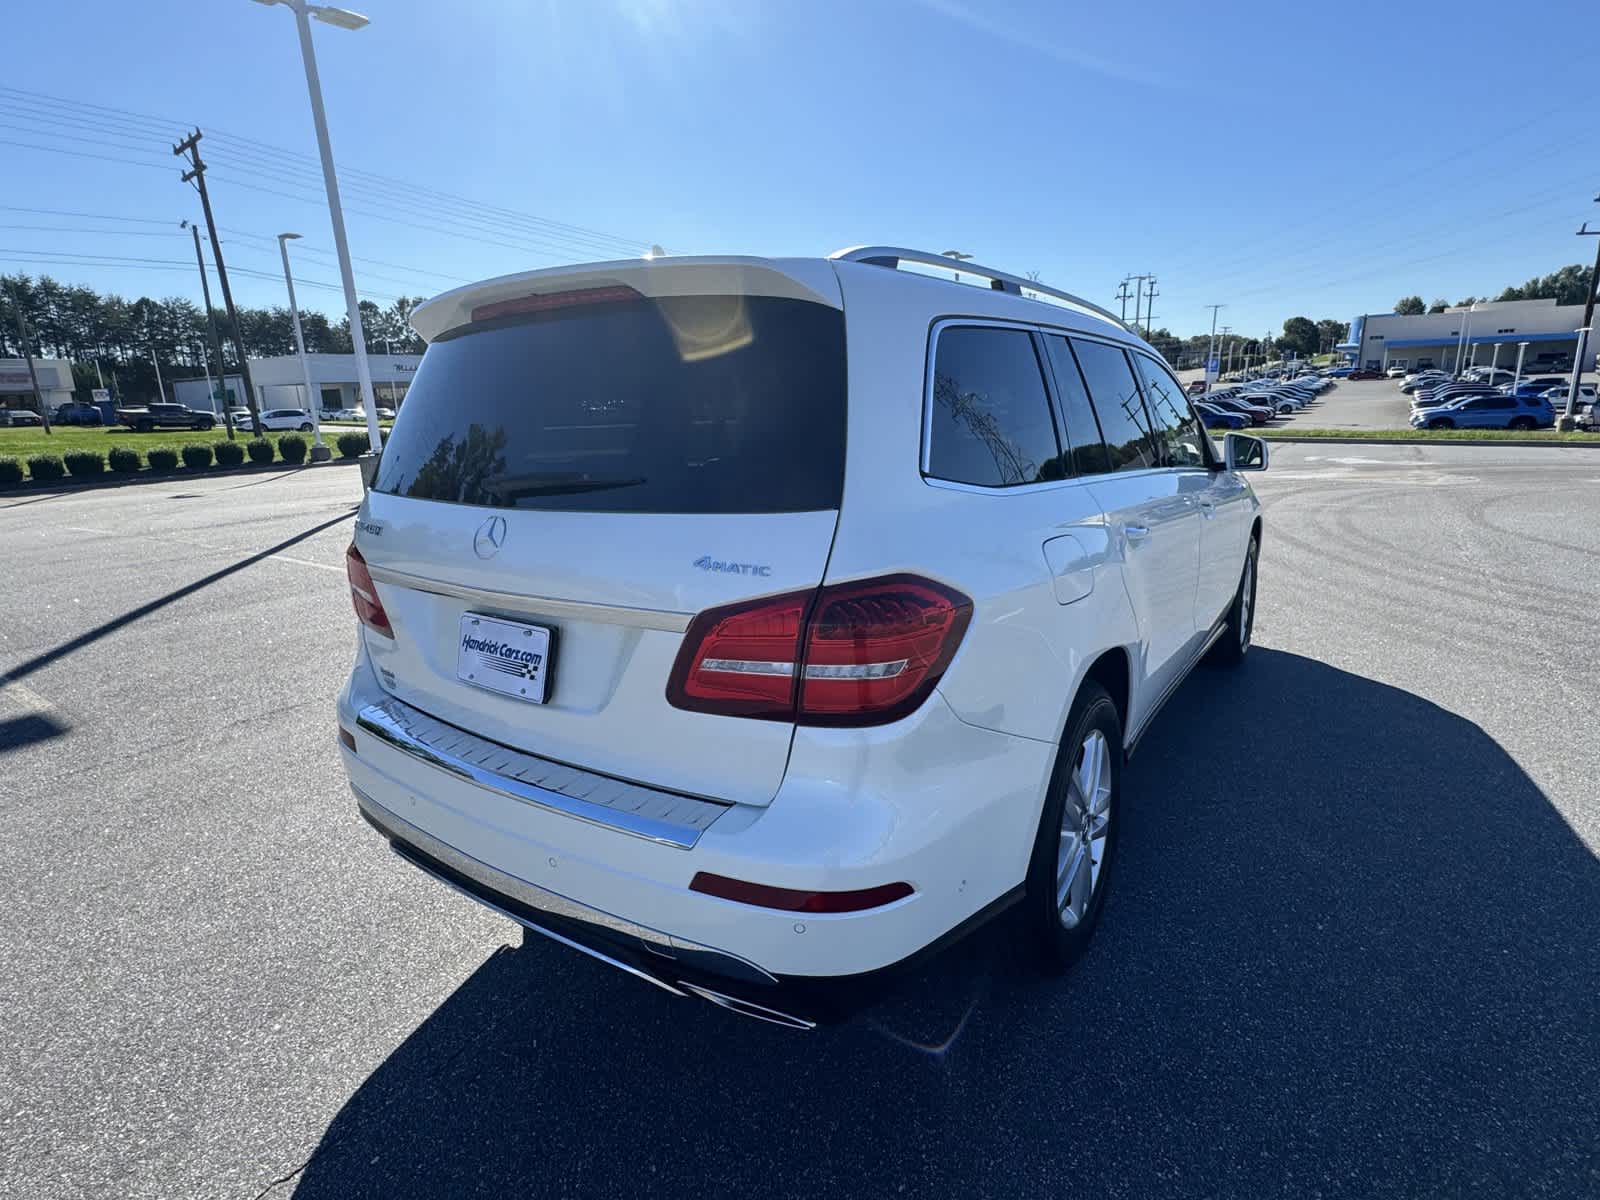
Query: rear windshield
x=679 y=404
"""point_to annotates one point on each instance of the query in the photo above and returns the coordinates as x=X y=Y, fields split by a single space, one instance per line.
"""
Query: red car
x=1365 y=373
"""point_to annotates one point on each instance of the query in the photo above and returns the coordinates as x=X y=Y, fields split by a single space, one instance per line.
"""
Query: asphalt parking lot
x=1351 y=949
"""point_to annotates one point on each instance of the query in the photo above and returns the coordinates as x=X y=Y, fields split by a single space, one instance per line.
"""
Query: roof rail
x=1000 y=281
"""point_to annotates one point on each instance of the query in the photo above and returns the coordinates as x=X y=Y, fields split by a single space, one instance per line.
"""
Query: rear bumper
x=853 y=812
x=677 y=967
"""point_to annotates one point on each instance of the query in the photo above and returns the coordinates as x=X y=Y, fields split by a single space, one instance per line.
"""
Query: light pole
x=161 y=391
x=319 y=452
x=1211 y=346
x=1522 y=348
x=958 y=255
x=339 y=18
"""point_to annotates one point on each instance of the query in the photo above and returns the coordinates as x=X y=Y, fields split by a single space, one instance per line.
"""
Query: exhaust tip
x=749 y=1008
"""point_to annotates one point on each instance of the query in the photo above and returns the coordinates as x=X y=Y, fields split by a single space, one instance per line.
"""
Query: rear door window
x=989 y=420
x=677 y=404
x=1115 y=395
x=1178 y=434
x=1086 y=449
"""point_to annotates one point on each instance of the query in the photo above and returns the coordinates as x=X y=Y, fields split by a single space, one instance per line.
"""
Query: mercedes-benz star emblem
x=490 y=537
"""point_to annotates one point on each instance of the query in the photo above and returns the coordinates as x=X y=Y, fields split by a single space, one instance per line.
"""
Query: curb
x=1358 y=440
x=110 y=479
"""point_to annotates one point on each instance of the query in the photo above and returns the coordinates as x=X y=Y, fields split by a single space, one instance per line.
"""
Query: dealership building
x=16 y=385
x=280 y=383
x=1487 y=333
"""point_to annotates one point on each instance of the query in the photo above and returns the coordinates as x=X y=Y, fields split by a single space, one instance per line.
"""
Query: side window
x=990 y=421
x=1086 y=450
x=1115 y=396
x=1492 y=402
x=1177 y=432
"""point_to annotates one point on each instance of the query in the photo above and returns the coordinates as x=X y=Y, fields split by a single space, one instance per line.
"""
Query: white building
x=16 y=388
x=279 y=382
x=1487 y=332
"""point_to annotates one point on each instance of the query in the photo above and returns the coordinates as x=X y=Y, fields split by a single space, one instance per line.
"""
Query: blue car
x=1216 y=418
x=1536 y=387
x=1487 y=412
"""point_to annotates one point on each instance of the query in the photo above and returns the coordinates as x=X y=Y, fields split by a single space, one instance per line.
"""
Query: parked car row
x=1489 y=398
x=1259 y=402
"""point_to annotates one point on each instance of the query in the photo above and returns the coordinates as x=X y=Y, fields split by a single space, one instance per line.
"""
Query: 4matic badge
x=706 y=563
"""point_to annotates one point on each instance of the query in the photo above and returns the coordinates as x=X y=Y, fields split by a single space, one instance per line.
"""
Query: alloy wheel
x=1247 y=599
x=1085 y=822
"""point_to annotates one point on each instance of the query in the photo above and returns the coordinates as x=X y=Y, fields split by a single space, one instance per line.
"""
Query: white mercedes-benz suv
x=757 y=625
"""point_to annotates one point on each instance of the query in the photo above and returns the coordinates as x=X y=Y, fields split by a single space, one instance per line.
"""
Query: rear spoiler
x=809 y=279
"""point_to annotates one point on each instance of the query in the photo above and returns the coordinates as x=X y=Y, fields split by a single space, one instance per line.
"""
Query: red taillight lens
x=552 y=300
x=877 y=648
x=869 y=652
x=795 y=899
x=740 y=660
x=364 y=595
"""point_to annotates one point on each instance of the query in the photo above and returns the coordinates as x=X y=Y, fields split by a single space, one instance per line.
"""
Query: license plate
x=504 y=656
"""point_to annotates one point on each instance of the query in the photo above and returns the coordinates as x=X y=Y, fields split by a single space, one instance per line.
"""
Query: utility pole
x=27 y=353
x=1124 y=297
x=161 y=388
x=1211 y=346
x=197 y=175
x=1570 y=417
x=216 y=342
x=1138 y=296
x=1150 y=306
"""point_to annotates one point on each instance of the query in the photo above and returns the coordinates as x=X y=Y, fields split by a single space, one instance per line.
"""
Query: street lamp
x=1522 y=348
x=340 y=18
x=319 y=452
x=958 y=255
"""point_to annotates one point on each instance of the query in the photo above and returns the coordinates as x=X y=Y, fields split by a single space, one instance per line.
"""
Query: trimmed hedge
x=196 y=457
x=123 y=459
x=46 y=466
x=84 y=462
x=161 y=458
x=352 y=445
x=260 y=450
x=229 y=454
x=10 y=470
x=293 y=448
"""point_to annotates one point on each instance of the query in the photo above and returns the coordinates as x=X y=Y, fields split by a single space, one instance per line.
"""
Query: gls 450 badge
x=706 y=563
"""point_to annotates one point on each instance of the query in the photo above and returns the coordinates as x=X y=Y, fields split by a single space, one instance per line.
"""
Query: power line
x=250 y=153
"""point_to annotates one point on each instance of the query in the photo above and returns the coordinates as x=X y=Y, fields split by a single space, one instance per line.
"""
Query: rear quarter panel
x=1024 y=654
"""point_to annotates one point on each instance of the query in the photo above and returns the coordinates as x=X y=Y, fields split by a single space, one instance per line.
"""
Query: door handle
x=1136 y=533
x=1208 y=508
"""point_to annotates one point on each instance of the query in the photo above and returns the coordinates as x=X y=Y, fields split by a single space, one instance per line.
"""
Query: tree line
x=120 y=335
x=1569 y=285
x=1301 y=337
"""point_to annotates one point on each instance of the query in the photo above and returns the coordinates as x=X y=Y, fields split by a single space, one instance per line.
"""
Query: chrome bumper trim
x=402 y=833
x=570 y=610
x=669 y=818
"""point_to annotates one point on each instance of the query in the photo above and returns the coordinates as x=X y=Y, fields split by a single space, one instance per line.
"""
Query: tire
x=204 y=425
x=145 y=426
x=1522 y=423
x=305 y=426
x=1090 y=760
x=1441 y=423
x=1234 y=644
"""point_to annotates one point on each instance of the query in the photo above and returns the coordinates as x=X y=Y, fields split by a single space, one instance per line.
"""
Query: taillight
x=364 y=595
x=861 y=653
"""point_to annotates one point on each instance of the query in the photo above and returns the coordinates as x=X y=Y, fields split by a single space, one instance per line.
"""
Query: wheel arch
x=1112 y=670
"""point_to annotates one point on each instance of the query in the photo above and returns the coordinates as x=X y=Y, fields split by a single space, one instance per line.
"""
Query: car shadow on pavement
x=1350 y=949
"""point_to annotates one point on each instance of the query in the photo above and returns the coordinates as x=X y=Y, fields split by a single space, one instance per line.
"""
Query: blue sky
x=1279 y=159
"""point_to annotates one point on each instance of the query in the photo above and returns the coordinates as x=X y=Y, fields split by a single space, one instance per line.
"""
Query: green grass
x=1431 y=435
x=30 y=440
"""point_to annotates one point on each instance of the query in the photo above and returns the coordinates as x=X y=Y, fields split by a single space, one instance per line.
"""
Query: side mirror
x=1242 y=453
